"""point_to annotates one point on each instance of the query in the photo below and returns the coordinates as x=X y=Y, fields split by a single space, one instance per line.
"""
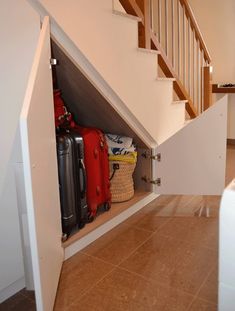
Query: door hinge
x=53 y=62
x=156 y=157
x=154 y=182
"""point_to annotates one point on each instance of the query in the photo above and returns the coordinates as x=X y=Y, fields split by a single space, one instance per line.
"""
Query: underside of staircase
x=110 y=45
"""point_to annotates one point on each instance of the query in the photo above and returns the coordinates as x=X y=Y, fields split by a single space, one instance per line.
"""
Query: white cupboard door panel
x=193 y=160
x=41 y=177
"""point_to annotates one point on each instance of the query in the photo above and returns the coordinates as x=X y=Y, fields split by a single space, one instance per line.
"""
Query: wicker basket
x=122 y=186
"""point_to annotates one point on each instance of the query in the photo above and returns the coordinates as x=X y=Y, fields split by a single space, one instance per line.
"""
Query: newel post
x=207 y=78
x=144 y=31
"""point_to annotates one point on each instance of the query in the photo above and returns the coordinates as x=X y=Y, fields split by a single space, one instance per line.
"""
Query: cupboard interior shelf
x=115 y=210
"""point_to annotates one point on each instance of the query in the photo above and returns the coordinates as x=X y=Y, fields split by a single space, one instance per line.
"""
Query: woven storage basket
x=122 y=186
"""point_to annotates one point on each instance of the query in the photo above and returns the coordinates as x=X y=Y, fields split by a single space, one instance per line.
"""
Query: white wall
x=19 y=30
x=216 y=20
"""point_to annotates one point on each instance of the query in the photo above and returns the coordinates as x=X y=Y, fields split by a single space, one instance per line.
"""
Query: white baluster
x=179 y=43
x=166 y=28
x=173 y=32
x=184 y=47
x=189 y=57
x=159 y=21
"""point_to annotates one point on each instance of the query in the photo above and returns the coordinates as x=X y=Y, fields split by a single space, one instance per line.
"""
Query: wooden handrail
x=131 y=7
x=194 y=25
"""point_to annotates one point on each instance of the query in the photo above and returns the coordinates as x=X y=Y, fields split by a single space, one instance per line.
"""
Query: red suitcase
x=97 y=170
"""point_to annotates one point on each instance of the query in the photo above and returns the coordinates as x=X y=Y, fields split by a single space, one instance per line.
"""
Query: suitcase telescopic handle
x=82 y=166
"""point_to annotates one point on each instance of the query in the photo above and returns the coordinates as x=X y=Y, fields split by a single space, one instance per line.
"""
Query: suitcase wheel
x=82 y=224
x=90 y=218
x=64 y=237
x=107 y=206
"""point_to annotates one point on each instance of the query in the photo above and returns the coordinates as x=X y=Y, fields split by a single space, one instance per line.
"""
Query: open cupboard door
x=193 y=161
x=40 y=175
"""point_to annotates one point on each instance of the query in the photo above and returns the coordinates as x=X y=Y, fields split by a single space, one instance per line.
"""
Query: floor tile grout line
x=128 y=254
x=133 y=273
x=156 y=282
x=191 y=303
x=206 y=300
x=100 y=279
x=114 y=267
x=194 y=296
x=97 y=258
x=183 y=240
x=206 y=278
x=136 y=227
x=94 y=285
x=152 y=231
x=200 y=287
x=151 y=234
x=127 y=225
x=28 y=298
x=119 y=265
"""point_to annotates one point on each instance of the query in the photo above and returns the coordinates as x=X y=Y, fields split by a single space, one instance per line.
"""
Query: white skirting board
x=12 y=289
x=109 y=225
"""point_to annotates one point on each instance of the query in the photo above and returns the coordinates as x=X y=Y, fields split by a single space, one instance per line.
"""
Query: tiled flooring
x=161 y=259
x=150 y=262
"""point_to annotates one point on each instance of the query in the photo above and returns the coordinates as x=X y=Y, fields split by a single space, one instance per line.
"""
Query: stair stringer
x=109 y=44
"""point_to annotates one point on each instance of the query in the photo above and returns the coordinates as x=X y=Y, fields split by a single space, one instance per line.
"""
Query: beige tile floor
x=163 y=258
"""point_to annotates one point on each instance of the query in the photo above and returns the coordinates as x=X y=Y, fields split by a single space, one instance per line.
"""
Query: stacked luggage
x=72 y=181
x=83 y=170
x=97 y=170
x=122 y=162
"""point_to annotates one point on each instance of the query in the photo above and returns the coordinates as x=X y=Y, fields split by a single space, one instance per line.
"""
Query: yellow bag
x=130 y=157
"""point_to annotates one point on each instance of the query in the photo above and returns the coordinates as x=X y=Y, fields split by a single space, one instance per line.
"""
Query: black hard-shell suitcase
x=72 y=181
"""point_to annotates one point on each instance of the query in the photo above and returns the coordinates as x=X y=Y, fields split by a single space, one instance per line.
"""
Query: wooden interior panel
x=116 y=209
x=89 y=107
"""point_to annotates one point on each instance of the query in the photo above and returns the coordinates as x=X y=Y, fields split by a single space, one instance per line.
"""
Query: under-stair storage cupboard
x=40 y=163
x=183 y=164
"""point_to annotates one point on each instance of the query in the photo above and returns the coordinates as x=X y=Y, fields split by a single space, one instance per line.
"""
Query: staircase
x=170 y=27
x=136 y=60
x=109 y=40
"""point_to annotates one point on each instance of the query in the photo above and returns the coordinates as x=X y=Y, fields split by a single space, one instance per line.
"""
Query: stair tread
x=179 y=101
x=165 y=79
x=136 y=18
x=149 y=51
